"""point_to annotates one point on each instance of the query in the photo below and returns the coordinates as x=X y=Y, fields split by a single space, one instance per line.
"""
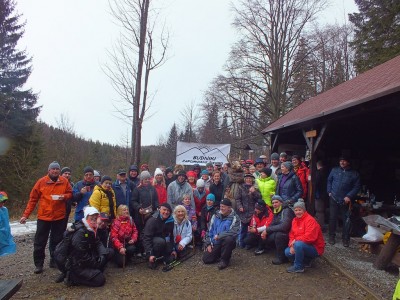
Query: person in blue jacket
x=82 y=191
x=123 y=189
x=221 y=235
x=342 y=187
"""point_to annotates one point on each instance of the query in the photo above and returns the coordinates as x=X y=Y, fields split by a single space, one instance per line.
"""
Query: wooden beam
x=307 y=140
x=320 y=136
x=274 y=142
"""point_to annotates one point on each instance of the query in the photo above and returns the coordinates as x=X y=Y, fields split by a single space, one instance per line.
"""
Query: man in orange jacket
x=51 y=191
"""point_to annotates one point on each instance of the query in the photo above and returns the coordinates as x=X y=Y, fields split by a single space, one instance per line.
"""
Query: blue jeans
x=243 y=233
x=304 y=253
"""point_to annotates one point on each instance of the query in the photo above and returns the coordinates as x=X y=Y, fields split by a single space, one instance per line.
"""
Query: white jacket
x=184 y=230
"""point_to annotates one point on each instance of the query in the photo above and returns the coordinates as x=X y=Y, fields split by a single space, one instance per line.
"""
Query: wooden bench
x=9 y=287
x=374 y=247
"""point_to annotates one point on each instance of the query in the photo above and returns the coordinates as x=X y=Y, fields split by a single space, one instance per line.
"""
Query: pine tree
x=170 y=153
x=18 y=110
x=210 y=131
x=377 y=32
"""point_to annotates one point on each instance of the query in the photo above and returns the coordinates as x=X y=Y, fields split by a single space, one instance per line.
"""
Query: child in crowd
x=206 y=214
x=191 y=212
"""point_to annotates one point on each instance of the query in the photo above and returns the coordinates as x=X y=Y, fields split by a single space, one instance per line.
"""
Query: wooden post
x=387 y=252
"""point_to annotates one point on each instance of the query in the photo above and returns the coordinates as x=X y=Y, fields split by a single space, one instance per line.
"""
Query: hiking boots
x=222 y=265
x=279 y=261
x=60 y=278
x=38 y=270
x=259 y=251
x=292 y=269
x=331 y=240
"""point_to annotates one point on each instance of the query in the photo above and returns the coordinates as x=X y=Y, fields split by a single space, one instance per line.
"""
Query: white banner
x=194 y=153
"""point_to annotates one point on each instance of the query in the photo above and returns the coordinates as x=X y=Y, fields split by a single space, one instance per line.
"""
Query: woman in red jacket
x=305 y=239
x=160 y=186
x=123 y=235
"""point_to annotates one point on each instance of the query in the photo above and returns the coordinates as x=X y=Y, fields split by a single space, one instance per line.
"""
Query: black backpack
x=63 y=249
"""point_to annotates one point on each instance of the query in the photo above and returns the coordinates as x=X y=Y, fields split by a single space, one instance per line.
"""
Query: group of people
x=160 y=217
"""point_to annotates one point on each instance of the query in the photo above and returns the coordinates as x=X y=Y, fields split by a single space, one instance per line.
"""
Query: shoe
x=259 y=251
x=60 y=278
x=307 y=264
x=222 y=265
x=346 y=243
x=332 y=240
x=292 y=269
x=52 y=264
x=38 y=270
x=279 y=261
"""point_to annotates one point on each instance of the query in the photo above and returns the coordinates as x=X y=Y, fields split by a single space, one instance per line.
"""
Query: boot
x=60 y=278
x=38 y=269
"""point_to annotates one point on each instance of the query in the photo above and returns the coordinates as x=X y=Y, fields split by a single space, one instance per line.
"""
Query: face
x=276 y=204
x=263 y=175
x=259 y=166
x=284 y=169
x=133 y=173
x=252 y=169
x=180 y=214
x=299 y=212
x=197 y=171
x=159 y=177
x=275 y=162
x=210 y=203
x=106 y=184
x=186 y=201
x=101 y=224
x=170 y=175
x=257 y=211
x=191 y=179
x=88 y=176
x=216 y=177
x=92 y=220
x=125 y=212
x=164 y=213
x=225 y=210
x=225 y=168
x=210 y=169
x=181 y=178
x=66 y=175
x=146 y=181
x=343 y=163
x=54 y=172
x=246 y=170
x=204 y=177
x=121 y=177
x=248 y=180
x=282 y=158
x=200 y=189
x=295 y=162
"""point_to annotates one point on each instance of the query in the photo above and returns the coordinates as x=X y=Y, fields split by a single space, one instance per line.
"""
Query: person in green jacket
x=266 y=185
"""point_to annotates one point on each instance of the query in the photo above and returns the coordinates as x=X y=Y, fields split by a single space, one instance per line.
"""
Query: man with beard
x=177 y=189
x=83 y=189
x=51 y=192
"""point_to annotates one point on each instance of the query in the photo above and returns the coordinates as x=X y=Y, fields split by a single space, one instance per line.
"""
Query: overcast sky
x=69 y=41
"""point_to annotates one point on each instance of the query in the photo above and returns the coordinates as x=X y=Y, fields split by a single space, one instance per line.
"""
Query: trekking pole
x=175 y=263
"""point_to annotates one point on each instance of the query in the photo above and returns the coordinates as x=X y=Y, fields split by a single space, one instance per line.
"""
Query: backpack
x=63 y=249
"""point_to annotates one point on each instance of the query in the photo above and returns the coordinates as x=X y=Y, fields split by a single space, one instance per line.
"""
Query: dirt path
x=248 y=277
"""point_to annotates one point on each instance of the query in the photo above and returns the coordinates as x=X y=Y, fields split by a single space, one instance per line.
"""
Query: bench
x=9 y=287
x=374 y=247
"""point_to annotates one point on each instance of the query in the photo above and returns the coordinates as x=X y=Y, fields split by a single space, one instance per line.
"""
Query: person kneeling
x=123 y=236
x=88 y=256
x=305 y=239
x=221 y=235
x=158 y=236
x=182 y=230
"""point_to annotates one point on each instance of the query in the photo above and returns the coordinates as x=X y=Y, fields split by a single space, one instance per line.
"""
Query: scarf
x=277 y=210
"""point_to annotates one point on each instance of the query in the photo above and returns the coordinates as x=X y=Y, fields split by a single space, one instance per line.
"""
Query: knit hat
x=300 y=204
x=104 y=216
x=248 y=175
x=65 y=169
x=262 y=156
x=191 y=174
x=158 y=172
x=277 y=197
x=133 y=168
x=344 y=157
x=283 y=154
x=88 y=169
x=89 y=211
x=169 y=170
x=54 y=165
x=267 y=171
x=96 y=173
x=182 y=173
x=209 y=164
x=200 y=183
x=226 y=202
x=3 y=196
x=274 y=156
x=288 y=165
x=260 y=205
x=144 y=167
x=204 y=172
x=145 y=175
x=167 y=206
x=210 y=197
x=105 y=177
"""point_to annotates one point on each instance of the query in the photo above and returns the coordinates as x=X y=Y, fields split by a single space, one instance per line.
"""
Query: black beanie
x=267 y=171
x=226 y=202
x=105 y=177
x=167 y=206
x=65 y=169
x=88 y=169
x=260 y=205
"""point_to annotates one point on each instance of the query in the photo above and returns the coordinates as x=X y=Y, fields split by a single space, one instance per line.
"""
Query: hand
x=180 y=247
x=216 y=237
x=83 y=190
x=241 y=209
x=22 y=220
x=347 y=200
x=152 y=259
x=252 y=189
x=264 y=235
x=141 y=210
x=291 y=250
x=122 y=251
x=174 y=254
x=209 y=249
x=131 y=242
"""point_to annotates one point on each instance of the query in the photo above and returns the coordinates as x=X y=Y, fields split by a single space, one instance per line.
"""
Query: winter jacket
x=291 y=189
x=104 y=201
x=218 y=191
x=175 y=193
x=282 y=221
x=307 y=230
x=143 y=197
x=184 y=230
x=206 y=216
x=120 y=197
x=49 y=209
x=222 y=226
x=123 y=229
x=343 y=183
x=199 y=199
x=86 y=247
x=157 y=227
x=161 y=193
x=267 y=187
x=191 y=213
x=82 y=200
x=302 y=173
x=262 y=221
x=247 y=201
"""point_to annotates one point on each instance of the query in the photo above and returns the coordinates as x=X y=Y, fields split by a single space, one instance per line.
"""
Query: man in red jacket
x=51 y=191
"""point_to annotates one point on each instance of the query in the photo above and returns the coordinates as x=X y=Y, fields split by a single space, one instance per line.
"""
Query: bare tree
x=133 y=58
x=190 y=119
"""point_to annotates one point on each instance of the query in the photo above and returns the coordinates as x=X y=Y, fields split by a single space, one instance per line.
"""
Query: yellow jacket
x=100 y=201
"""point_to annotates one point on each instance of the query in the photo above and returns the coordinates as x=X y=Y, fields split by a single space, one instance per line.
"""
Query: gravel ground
x=248 y=277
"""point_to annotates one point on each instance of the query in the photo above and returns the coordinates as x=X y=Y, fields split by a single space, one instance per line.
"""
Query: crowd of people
x=164 y=215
